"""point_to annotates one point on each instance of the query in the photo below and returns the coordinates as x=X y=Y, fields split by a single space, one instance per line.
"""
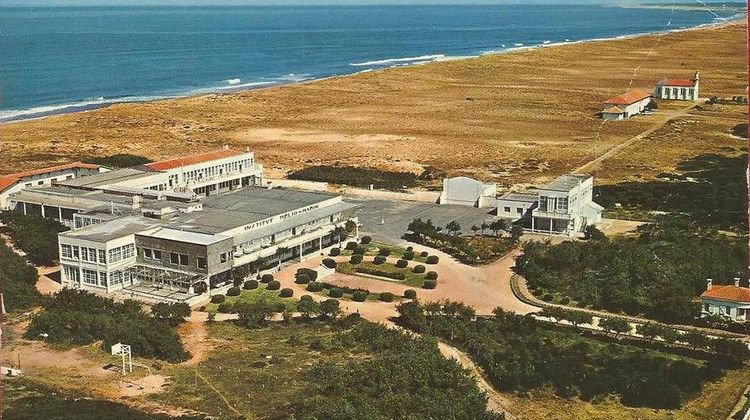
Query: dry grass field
x=520 y=117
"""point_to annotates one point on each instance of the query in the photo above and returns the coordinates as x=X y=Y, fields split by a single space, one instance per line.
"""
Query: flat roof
x=195 y=159
x=107 y=178
x=113 y=229
x=11 y=179
x=522 y=197
x=74 y=198
x=184 y=236
x=565 y=182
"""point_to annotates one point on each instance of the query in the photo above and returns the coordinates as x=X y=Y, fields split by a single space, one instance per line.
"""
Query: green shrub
x=360 y=250
x=402 y=264
x=266 y=278
x=359 y=296
x=408 y=255
x=329 y=263
x=273 y=285
x=218 y=298
x=386 y=297
x=233 y=291
x=302 y=279
x=384 y=252
x=355 y=259
x=309 y=272
x=565 y=300
x=351 y=245
x=335 y=252
x=423 y=254
x=431 y=275
x=548 y=297
x=250 y=285
x=286 y=293
x=429 y=284
x=409 y=248
x=365 y=240
x=432 y=259
x=336 y=293
x=381 y=273
x=379 y=259
x=314 y=287
x=225 y=308
x=418 y=269
x=410 y=294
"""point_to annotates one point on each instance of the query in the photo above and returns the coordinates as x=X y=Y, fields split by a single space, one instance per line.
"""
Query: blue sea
x=66 y=59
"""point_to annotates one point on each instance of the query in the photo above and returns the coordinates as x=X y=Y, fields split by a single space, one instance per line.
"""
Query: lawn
x=373 y=248
x=255 y=295
x=412 y=279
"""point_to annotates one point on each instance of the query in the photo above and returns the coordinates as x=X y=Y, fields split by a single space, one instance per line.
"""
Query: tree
x=340 y=234
x=254 y=314
x=594 y=234
x=173 y=313
x=453 y=227
x=307 y=306
x=649 y=330
x=475 y=229
x=579 y=317
x=280 y=251
x=696 y=340
x=515 y=232
x=330 y=308
x=497 y=225
x=483 y=227
x=669 y=335
x=615 y=325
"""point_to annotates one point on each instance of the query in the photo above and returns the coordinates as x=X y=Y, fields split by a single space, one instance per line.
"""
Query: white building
x=678 y=89
x=630 y=103
x=730 y=302
x=468 y=192
x=565 y=206
x=13 y=183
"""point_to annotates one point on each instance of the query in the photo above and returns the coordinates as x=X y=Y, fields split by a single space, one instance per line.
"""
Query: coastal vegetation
x=520 y=354
x=17 y=280
x=120 y=160
x=657 y=273
x=356 y=177
x=77 y=317
x=35 y=235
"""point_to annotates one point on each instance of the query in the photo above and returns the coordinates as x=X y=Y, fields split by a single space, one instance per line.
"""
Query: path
x=667 y=116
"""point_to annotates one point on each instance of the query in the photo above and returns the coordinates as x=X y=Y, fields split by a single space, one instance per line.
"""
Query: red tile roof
x=630 y=97
x=678 y=82
x=7 y=181
x=613 y=110
x=730 y=293
x=193 y=159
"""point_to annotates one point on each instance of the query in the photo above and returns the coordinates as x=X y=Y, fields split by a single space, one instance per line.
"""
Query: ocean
x=55 y=60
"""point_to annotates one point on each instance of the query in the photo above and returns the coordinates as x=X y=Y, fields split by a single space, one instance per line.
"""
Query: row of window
x=121 y=253
x=519 y=210
x=83 y=253
x=230 y=167
x=177 y=258
x=95 y=278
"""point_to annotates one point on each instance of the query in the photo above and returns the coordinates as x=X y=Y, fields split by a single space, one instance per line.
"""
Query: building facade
x=678 y=89
x=468 y=192
x=730 y=302
x=630 y=103
x=10 y=184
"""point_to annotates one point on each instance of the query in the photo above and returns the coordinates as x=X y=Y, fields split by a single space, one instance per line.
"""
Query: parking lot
x=387 y=220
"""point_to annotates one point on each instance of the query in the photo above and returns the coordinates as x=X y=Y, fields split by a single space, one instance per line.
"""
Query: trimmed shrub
x=351 y=245
x=273 y=285
x=409 y=248
x=384 y=252
x=335 y=252
x=365 y=240
x=250 y=285
x=386 y=297
x=423 y=254
x=314 y=287
x=431 y=275
x=381 y=273
x=329 y=263
x=286 y=293
x=410 y=294
x=432 y=259
x=305 y=297
x=225 y=308
x=360 y=250
x=429 y=284
x=402 y=264
x=565 y=300
x=359 y=296
x=418 y=269
x=309 y=272
x=218 y=298
x=355 y=259
x=302 y=279
x=408 y=255
x=336 y=293
x=233 y=291
x=379 y=259
x=266 y=278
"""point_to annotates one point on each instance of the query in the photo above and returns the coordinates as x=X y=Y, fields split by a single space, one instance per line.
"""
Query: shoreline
x=82 y=106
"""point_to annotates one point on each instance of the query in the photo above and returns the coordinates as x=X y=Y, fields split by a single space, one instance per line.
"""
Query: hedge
x=335 y=252
x=432 y=259
x=402 y=264
x=218 y=298
x=379 y=259
x=302 y=279
x=233 y=291
x=250 y=285
x=336 y=293
x=355 y=259
x=309 y=272
x=384 y=252
x=380 y=273
x=266 y=278
x=429 y=284
x=359 y=296
x=314 y=287
x=273 y=285
x=410 y=294
x=329 y=263
x=386 y=297
x=365 y=240
x=419 y=269
x=431 y=275
x=286 y=293
x=408 y=255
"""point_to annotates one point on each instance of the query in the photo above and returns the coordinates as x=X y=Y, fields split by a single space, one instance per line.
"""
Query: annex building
x=630 y=103
x=174 y=230
x=731 y=302
x=678 y=89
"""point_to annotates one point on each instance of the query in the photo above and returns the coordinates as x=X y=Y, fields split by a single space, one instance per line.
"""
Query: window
x=148 y=253
x=157 y=254
x=84 y=254
x=519 y=210
x=705 y=307
x=102 y=278
x=115 y=277
x=115 y=254
x=89 y=276
x=178 y=259
x=223 y=257
x=506 y=209
x=727 y=310
x=102 y=257
x=128 y=251
x=562 y=204
x=542 y=203
x=201 y=261
x=92 y=254
x=67 y=251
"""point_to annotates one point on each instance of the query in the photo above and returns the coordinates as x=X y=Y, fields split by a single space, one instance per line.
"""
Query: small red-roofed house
x=678 y=89
x=630 y=103
x=730 y=301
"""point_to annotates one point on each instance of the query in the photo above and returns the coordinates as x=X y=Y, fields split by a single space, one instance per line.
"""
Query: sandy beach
x=520 y=117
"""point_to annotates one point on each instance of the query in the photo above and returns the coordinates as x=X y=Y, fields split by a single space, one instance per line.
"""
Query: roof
x=165 y=165
x=110 y=177
x=524 y=198
x=677 y=82
x=729 y=293
x=185 y=236
x=630 y=97
x=113 y=229
x=613 y=110
x=9 y=180
x=566 y=182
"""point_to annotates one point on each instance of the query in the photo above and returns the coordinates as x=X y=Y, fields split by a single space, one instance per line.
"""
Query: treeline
x=519 y=353
x=78 y=317
x=17 y=280
x=356 y=176
x=120 y=160
x=657 y=273
x=404 y=377
x=35 y=235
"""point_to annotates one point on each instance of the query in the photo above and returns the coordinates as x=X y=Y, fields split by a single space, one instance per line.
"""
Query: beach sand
x=520 y=117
